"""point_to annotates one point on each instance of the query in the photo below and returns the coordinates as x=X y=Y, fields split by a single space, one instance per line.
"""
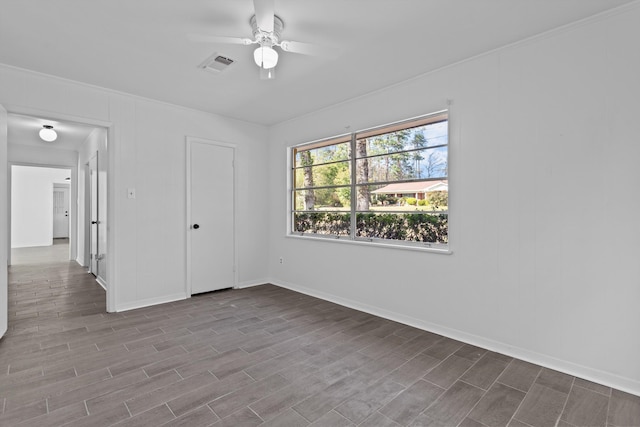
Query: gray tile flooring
x=261 y=356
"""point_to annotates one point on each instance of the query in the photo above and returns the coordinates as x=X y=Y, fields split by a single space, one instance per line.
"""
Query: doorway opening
x=61 y=259
x=40 y=214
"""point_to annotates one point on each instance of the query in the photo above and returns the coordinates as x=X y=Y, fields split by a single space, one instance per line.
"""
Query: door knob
x=196 y=226
x=94 y=222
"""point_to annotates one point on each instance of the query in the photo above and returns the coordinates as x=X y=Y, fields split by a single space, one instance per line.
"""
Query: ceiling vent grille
x=216 y=63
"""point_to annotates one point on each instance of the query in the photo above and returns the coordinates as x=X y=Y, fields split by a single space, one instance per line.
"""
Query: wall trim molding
x=147 y=302
x=101 y=283
x=252 y=283
x=595 y=375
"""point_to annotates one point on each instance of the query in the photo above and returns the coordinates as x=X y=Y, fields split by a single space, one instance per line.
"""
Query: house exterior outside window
x=385 y=185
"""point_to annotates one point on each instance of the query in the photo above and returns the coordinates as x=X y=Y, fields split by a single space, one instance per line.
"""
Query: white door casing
x=60 y=211
x=4 y=224
x=210 y=216
x=102 y=220
x=93 y=215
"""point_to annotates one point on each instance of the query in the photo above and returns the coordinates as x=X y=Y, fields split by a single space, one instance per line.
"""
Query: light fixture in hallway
x=48 y=134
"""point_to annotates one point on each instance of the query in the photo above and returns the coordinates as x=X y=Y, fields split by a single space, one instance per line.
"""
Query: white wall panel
x=32 y=204
x=146 y=145
x=543 y=204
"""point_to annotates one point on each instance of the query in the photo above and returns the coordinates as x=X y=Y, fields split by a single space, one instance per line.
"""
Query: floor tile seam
x=165 y=404
x=462 y=374
x=481 y=423
x=297 y=412
x=594 y=391
x=490 y=387
x=566 y=401
x=513 y=417
x=349 y=419
x=53 y=385
x=380 y=414
x=510 y=386
x=349 y=397
x=478 y=402
x=437 y=399
x=520 y=421
x=606 y=420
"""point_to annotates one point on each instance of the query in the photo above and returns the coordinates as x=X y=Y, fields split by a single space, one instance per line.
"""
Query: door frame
x=188 y=141
x=112 y=146
x=92 y=201
x=66 y=187
x=4 y=223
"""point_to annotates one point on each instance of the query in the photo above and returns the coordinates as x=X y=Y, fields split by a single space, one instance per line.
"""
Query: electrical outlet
x=281 y=260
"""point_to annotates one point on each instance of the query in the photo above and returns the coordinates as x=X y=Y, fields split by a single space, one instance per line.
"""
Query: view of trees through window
x=388 y=183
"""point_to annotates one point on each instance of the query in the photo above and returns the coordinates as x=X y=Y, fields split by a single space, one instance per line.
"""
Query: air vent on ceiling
x=216 y=63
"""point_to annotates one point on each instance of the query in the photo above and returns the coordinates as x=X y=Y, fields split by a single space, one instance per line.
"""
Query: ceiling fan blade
x=201 y=38
x=309 y=49
x=265 y=9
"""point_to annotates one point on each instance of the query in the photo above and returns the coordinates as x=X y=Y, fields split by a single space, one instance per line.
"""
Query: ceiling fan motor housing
x=264 y=38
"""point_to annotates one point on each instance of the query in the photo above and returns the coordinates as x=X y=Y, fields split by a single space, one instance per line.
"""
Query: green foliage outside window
x=345 y=185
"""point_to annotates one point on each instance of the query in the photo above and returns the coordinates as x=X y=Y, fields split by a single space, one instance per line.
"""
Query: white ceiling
x=141 y=46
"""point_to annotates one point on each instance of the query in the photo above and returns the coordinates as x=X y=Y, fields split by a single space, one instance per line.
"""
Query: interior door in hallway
x=60 y=211
x=210 y=210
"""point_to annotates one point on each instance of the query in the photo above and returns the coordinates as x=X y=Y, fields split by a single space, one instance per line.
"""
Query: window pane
x=396 y=175
x=333 y=199
x=427 y=163
x=323 y=175
x=413 y=227
x=430 y=135
x=424 y=196
x=328 y=223
x=326 y=154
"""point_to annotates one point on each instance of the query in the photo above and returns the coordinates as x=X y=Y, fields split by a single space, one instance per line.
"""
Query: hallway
x=45 y=286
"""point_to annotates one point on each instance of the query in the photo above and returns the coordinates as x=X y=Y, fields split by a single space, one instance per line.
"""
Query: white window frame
x=438 y=116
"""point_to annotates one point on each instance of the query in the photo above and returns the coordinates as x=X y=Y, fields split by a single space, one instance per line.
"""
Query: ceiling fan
x=267 y=29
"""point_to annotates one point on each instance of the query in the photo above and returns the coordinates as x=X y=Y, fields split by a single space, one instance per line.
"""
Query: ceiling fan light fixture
x=267 y=73
x=48 y=134
x=265 y=57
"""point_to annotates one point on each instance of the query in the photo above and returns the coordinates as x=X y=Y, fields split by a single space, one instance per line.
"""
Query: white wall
x=32 y=204
x=47 y=156
x=544 y=204
x=147 y=235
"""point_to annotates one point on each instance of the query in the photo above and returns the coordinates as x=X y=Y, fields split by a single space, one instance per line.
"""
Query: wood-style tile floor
x=261 y=356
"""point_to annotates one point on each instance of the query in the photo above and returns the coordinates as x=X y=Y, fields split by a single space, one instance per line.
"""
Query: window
x=387 y=184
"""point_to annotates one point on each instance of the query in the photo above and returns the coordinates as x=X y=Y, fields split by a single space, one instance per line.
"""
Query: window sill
x=441 y=251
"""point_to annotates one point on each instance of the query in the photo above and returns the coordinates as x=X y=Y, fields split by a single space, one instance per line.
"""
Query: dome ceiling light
x=48 y=134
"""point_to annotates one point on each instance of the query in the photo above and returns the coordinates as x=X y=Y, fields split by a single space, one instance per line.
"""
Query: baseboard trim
x=251 y=283
x=149 y=302
x=595 y=375
x=101 y=283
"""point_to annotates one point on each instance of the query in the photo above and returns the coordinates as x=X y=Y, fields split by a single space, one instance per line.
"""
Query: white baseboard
x=585 y=372
x=101 y=283
x=149 y=302
x=251 y=283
